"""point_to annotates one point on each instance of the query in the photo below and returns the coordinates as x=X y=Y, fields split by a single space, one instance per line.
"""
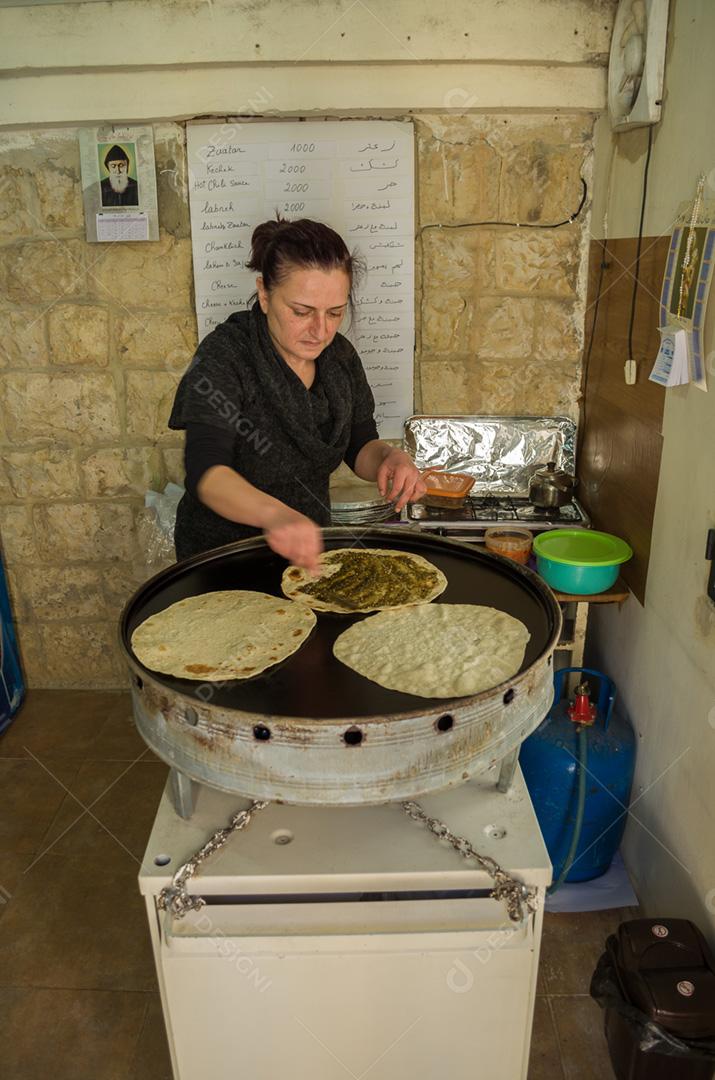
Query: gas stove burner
x=481 y=511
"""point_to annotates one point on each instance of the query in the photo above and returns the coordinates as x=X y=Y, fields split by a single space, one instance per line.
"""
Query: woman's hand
x=295 y=537
x=399 y=478
x=288 y=533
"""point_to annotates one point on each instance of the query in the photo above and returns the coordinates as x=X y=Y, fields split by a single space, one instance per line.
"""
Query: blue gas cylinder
x=551 y=763
x=12 y=685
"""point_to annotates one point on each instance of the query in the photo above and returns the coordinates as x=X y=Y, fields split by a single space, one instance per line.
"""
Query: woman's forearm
x=287 y=532
x=394 y=471
x=226 y=492
x=370 y=458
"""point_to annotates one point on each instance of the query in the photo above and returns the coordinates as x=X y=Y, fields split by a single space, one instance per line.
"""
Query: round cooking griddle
x=312 y=683
x=311 y=731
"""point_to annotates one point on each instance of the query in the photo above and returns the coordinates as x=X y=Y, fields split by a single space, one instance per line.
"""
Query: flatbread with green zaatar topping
x=365 y=579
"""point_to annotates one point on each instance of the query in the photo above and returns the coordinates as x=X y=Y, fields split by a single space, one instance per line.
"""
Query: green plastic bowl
x=579 y=561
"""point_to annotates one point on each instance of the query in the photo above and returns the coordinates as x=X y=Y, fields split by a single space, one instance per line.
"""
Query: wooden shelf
x=577 y=620
x=615 y=595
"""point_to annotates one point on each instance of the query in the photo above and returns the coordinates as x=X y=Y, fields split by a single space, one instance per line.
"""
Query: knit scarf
x=292 y=404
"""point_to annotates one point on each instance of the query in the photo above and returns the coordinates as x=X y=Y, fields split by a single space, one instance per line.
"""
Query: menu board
x=357 y=177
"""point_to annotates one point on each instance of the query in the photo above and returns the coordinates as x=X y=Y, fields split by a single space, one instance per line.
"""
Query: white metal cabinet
x=324 y=973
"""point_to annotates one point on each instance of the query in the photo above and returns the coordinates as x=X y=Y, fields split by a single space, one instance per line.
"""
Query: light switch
x=630 y=371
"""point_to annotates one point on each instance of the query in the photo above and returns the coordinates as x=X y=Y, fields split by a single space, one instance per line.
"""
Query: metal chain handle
x=175 y=898
x=516 y=895
x=520 y=899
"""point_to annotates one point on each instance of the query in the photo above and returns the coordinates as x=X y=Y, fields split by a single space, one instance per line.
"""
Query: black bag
x=641 y=977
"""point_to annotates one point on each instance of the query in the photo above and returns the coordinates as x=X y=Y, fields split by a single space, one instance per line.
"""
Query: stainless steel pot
x=551 y=487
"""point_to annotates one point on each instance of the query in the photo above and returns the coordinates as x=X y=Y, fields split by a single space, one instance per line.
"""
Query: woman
x=275 y=398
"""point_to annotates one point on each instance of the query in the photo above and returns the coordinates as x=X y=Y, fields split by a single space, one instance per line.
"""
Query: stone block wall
x=94 y=337
x=501 y=309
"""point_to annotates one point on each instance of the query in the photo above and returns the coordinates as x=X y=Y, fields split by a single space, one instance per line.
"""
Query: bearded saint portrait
x=119 y=188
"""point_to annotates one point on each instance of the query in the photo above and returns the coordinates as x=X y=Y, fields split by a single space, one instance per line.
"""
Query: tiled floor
x=78 y=1001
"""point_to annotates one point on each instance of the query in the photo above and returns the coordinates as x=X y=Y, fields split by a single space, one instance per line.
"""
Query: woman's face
x=304 y=311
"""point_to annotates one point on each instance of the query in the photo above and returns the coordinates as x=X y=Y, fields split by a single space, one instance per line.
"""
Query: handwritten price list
x=356 y=176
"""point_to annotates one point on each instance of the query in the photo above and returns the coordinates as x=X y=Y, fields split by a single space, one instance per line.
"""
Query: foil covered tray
x=500 y=452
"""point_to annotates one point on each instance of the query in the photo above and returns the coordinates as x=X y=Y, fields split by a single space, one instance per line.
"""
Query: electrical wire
x=518 y=224
x=603 y=265
x=640 y=242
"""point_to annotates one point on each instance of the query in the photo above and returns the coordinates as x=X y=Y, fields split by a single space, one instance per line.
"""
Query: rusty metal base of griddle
x=183 y=788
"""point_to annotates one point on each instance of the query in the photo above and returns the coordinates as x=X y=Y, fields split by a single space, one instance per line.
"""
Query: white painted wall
x=662 y=655
x=140 y=32
x=163 y=59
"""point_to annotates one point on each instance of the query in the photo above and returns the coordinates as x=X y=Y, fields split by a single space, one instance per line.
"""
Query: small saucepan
x=551 y=487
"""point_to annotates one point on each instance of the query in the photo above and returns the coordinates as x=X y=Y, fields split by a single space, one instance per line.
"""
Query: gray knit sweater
x=286 y=439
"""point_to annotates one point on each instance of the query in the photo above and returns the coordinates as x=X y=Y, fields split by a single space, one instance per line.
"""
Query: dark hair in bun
x=279 y=246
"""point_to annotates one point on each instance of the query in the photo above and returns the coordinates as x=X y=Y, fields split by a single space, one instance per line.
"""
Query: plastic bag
x=155 y=525
x=652 y=1038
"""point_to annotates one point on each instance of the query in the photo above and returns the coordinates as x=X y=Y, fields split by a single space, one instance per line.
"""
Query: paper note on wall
x=357 y=177
x=128 y=226
x=671 y=367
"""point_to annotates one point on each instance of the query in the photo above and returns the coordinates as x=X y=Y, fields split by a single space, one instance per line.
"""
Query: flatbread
x=365 y=579
x=435 y=650
x=229 y=634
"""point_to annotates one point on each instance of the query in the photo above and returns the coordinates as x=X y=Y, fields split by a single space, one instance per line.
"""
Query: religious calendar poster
x=357 y=177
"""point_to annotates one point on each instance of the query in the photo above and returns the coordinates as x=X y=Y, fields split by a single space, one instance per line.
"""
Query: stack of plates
x=358 y=504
